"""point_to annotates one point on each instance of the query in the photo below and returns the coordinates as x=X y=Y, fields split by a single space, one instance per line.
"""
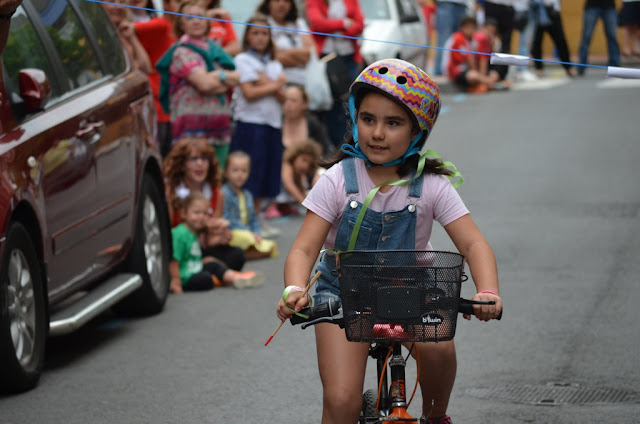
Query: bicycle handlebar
x=331 y=312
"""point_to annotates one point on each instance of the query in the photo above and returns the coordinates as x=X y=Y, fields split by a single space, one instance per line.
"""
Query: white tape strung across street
x=627 y=73
x=508 y=59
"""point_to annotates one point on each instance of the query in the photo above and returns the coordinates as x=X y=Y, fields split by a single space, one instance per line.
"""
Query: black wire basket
x=400 y=295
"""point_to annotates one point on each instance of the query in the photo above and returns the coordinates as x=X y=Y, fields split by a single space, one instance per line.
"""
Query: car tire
x=23 y=314
x=150 y=254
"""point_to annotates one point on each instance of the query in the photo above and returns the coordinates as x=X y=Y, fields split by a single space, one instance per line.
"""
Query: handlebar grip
x=323 y=310
x=466 y=306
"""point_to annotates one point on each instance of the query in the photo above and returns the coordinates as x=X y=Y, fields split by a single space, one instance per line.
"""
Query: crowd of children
x=220 y=106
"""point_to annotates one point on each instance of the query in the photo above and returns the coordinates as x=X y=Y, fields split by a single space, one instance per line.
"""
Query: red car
x=83 y=219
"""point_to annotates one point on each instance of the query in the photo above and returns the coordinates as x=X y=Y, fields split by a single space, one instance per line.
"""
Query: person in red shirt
x=221 y=32
x=156 y=36
x=337 y=17
x=483 y=41
x=460 y=63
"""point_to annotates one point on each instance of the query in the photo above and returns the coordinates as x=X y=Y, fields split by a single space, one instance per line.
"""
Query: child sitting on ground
x=299 y=173
x=189 y=270
x=239 y=210
x=459 y=61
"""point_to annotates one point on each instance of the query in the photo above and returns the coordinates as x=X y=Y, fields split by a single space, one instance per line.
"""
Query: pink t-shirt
x=439 y=201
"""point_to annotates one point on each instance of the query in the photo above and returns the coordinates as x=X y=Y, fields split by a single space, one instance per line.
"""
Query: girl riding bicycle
x=393 y=107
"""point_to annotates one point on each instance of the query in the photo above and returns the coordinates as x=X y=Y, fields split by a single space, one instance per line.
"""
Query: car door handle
x=90 y=132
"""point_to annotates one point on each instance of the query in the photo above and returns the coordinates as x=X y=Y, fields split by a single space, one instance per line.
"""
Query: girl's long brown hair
x=174 y=166
x=258 y=19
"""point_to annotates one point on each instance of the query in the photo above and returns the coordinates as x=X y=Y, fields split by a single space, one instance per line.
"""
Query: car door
x=128 y=116
x=60 y=141
x=413 y=31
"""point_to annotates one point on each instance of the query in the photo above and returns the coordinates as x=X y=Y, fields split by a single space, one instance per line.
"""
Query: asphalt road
x=551 y=178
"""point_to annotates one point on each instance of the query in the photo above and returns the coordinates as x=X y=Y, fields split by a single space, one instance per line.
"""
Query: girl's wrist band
x=290 y=289
x=287 y=291
x=223 y=76
x=490 y=292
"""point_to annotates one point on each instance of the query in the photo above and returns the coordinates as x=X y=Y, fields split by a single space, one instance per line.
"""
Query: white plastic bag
x=317 y=85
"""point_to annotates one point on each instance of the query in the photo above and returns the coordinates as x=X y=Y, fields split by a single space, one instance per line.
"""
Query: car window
x=377 y=9
x=78 y=58
x=25 y=50
x=105 y=35
x=407 y=10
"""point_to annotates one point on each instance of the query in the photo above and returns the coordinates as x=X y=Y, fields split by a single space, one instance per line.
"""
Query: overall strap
x=416 y=176
x=415 y=188
x=350 y=177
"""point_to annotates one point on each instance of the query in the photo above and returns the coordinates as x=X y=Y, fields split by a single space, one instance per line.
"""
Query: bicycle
x=389 y=298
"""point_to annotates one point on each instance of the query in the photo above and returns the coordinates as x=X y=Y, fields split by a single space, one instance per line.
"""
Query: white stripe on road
x=541 y=84
x=618 y=83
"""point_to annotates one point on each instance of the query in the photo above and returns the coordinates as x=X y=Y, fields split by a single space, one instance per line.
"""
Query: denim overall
x=379 y=231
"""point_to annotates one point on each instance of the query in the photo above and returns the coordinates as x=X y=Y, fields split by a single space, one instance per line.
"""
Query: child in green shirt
x=189 y=270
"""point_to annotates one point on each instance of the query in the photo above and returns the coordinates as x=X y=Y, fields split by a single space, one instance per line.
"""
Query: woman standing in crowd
x=298 y=124
x=338 y=17
x=294 y=46
x=156 y=36
x=197 y=78
x=221 y=32
x=122 y=19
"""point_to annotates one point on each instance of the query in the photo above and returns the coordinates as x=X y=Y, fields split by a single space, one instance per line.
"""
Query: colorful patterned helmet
x=406 y=83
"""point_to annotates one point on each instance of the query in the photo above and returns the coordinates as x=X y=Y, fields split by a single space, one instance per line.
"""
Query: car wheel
x=150 y=254
x=23 y=319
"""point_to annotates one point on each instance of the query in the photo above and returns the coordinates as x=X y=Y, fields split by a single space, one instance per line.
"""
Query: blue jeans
x=448 y=17
x=609 y=17
x=526 y=37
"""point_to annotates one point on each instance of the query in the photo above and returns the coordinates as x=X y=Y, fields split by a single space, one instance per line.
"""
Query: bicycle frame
x=392 y=397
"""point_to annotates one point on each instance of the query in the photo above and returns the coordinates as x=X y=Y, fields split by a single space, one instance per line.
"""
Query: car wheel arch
x=26 y=215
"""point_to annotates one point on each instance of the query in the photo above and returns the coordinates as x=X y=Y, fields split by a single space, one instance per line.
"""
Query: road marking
x=618 y=83
x=541 y=84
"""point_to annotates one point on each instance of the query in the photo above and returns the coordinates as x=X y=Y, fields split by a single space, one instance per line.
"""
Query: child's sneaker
x=272 y=212
x=248 y=279
x=440 y=420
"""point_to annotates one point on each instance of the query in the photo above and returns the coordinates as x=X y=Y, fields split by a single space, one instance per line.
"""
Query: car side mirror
x=35 y=88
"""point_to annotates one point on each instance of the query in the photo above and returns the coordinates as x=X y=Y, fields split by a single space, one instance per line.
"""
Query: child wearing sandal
x=189 y=270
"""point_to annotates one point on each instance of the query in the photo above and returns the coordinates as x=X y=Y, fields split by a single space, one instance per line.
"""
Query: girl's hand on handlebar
x=295 y=301
x=486 y=312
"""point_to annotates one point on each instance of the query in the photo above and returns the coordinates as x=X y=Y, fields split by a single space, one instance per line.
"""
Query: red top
x=317 y=11
x=222 y=33
x=156 y=36
x=482 y=44
x=456 y=62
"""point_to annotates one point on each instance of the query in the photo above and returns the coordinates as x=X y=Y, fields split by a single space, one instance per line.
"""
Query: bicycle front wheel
x=369 y=413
